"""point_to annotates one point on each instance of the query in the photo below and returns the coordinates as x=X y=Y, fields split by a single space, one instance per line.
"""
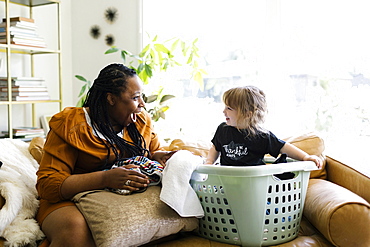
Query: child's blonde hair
x=250 y=104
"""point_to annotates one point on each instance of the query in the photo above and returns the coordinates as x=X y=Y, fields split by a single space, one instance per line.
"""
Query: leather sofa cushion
x=339 y=214
x=308 y=236
x=36 y=148
x=197 y=148
x=311 y=144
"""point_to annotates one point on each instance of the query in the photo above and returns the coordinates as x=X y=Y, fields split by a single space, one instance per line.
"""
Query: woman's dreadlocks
x=113 y=79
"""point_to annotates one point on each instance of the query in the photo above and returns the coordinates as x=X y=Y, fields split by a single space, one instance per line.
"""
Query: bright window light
x=312 y=59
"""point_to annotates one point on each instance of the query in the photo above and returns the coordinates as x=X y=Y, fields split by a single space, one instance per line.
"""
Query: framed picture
x=45 y=122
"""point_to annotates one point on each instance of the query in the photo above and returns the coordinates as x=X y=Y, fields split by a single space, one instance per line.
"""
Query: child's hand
x=315 y=159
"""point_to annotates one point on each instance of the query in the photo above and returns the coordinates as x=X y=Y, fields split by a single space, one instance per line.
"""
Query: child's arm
x=298 y=154
x=212 y=156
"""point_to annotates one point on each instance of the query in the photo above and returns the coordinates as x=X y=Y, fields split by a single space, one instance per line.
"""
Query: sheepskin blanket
x=17 y=186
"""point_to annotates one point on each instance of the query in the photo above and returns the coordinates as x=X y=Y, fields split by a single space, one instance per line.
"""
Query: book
x=20 y=24
x=15 y=30
x=22 y=32
x=24 y=137
x=28 y=138
x=24 y=89
x=19 y=18
x=25 y=98
x=25 y=93
x=23 y=78
x=22 y=36
x=22 y=81
x=23 y=131
x=28 y=42
x=27 y=130
x=19 y=35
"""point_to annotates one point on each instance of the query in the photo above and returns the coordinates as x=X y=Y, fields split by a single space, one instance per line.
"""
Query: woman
x=83 y=143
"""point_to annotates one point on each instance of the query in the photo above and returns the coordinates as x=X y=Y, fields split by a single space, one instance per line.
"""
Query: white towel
x=176 y=191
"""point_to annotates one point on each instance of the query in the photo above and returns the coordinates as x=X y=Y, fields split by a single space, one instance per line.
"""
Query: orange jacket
x=72 y=148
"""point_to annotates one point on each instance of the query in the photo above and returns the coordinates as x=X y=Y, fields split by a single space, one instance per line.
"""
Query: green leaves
x=111 y=50
x=156 y=57
x=157 y=102
x=160 y=56
x=84 y=89
x=166 y=97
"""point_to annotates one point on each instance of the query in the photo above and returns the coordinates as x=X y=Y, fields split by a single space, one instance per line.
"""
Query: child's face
x=231 y=116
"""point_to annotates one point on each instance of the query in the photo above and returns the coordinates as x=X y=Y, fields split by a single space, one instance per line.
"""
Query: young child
x=241 y=140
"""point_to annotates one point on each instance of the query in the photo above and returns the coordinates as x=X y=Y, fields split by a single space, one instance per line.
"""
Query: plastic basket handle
x=253 y=171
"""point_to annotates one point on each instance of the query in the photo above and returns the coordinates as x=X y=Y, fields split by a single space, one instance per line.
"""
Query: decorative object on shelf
x=95 y=31
x=26 y=133
x=111 y=14
x=109 y=39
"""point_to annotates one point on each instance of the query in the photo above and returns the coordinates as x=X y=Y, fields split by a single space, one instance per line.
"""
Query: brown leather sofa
x=337 y=206
x=336 y=211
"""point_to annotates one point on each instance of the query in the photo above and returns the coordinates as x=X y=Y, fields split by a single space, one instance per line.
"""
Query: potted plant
x=156 y=57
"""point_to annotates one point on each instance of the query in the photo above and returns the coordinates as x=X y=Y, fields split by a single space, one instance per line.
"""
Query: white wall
x=88 y=56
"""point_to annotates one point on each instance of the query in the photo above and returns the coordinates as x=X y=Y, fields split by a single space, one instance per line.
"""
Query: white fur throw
x=17 y=186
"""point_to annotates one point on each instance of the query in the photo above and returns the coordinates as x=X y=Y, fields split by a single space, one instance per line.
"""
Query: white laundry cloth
x=176 y=190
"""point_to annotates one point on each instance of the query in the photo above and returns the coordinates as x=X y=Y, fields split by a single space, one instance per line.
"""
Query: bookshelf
x=31 y=55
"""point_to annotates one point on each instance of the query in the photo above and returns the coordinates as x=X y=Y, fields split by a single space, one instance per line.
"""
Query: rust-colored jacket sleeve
x=55 y=168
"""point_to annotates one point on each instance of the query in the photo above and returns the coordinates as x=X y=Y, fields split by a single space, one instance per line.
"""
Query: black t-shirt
x=237 y=149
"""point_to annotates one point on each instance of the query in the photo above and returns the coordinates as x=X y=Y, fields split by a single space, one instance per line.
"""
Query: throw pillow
x=311 y=144
x=133 y=220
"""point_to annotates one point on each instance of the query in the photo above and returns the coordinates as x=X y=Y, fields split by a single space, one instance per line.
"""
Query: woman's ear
x=111 y=99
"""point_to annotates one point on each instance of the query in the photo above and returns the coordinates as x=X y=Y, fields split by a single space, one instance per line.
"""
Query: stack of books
x=22 y=32
x=24 y=89
x=26 y=133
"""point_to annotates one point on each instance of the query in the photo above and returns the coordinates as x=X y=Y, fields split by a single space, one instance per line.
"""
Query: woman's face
x=122 y=108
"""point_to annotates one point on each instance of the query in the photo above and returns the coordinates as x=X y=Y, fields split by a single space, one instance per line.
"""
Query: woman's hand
x=162 y=156
x=124 y=178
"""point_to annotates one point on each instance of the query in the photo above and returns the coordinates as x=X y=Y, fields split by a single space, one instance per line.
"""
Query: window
x=312 y=59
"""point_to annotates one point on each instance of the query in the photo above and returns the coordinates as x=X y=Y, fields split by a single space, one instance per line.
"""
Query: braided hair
x=113 y=79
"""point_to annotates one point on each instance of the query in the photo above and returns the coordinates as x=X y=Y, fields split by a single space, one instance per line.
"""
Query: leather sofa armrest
x=339 y=214
x=347 y=177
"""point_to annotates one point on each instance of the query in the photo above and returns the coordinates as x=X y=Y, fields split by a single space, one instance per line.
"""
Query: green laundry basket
x=248 y=205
